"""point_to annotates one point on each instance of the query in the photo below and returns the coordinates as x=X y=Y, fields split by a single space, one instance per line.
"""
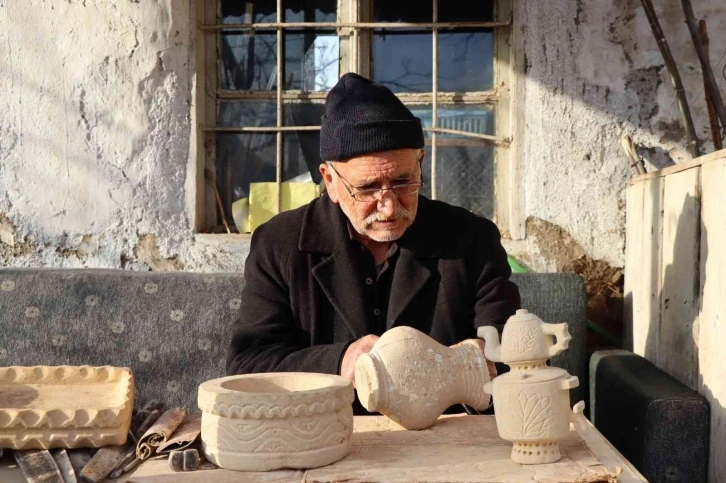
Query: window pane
x=302 y=148
x=251 y=11
x=392 y=11
x=241 y=160
x=465 y=165
x=466 y=60
x=301 y=156
x=249 y=60
x=310 y=10
x=464 y=11
x=311 y=60
x=402 y=59
x=247 y=113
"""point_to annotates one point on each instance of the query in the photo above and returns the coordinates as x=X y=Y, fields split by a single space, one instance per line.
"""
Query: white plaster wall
x=97 y=149
x=95 y=135
x=594 y=73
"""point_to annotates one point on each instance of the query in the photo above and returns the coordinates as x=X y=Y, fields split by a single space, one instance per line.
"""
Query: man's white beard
x=400 y=214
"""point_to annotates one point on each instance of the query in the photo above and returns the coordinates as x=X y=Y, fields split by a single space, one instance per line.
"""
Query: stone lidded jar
x=532 y=401
x=412 y=379
x=532 y=409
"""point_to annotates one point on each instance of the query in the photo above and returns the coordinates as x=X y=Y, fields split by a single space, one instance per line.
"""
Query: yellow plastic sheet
x=262 y=201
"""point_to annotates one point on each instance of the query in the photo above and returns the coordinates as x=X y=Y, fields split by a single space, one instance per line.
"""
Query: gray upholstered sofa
x=172 y=329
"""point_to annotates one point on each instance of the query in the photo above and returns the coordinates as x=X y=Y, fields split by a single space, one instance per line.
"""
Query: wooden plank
x=646 y=325
x=680 y=300
x=456 y=448
x=633 y=260
x=699 y=161
x=712 y=319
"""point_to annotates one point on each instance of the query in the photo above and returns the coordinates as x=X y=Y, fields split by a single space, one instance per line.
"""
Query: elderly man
x=323 y=281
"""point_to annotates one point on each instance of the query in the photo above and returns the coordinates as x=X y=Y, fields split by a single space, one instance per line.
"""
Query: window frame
x=355 y=50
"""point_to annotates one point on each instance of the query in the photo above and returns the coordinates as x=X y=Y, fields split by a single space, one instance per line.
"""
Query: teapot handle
x=562 y=334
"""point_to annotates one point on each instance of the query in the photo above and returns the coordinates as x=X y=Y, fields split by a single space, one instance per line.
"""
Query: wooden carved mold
x=44 y=407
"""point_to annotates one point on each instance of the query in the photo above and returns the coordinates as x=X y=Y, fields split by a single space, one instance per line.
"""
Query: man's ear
x=421 y=156
x=328 y=178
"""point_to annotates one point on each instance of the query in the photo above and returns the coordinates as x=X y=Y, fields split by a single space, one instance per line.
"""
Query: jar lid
x=534 y=376
x=523 y=315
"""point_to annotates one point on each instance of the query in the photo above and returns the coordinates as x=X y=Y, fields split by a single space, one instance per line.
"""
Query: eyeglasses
x=370 y=194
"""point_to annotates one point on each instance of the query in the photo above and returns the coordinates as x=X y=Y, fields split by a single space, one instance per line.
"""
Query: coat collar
x=325 y=228
x=325 y=231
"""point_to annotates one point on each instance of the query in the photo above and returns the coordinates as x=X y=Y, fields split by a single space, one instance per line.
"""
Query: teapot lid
x=535 y=376
x=523 y=315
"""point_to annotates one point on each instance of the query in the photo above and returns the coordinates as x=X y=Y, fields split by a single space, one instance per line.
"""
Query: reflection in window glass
x=243 y=159
x=251 y=11
x=466 y=60
x=465 y=165
x=249 y=60
x=311 y=60
x=309 y=10
x=247 y=113
x=402 y=59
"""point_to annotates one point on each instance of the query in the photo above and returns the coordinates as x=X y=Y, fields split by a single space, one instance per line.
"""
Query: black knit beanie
x=361 y=117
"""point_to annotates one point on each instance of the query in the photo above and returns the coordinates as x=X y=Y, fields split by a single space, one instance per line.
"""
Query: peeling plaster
x=97 y=145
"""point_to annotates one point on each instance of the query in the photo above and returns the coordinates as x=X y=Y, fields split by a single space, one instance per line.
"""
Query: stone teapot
x=412 y=379
x=526 y=340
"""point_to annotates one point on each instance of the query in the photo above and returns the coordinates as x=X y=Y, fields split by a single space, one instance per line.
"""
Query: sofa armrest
x=660 y=425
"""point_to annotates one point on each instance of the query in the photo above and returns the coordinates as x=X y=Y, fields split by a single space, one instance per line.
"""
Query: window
x=265 y=67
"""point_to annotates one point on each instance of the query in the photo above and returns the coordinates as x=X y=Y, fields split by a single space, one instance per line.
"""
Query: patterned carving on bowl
x=261 y=422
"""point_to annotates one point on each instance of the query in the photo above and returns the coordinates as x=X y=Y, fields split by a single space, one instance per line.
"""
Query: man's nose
x=387 y=203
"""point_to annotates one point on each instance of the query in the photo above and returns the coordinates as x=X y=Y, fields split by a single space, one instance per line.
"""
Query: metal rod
x=712 y=118
x=435 y=101
x=475 y=97
x=440 y=130
x=675 y=76
x=271 y=95
x=259 y=129
x=362 y=25
x=278 y=177
x=469 y=134
x=708 y=76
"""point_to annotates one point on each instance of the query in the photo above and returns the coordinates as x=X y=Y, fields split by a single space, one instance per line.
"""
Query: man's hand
x=361 y=346
x=480 y=344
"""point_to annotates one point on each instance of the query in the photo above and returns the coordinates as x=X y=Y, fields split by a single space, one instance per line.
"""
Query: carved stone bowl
x=268 y=421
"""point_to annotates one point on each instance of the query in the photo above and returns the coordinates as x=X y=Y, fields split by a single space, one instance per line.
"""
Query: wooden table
x=456 y=448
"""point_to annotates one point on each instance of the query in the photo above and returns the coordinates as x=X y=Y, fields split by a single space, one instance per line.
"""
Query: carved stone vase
x=412 y=379
x=269 y=421
x=532 y=401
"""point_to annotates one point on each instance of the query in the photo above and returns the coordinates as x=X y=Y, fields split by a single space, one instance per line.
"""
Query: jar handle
x=561 y=333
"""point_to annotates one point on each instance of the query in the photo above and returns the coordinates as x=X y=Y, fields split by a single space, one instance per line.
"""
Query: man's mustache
x=401 y=213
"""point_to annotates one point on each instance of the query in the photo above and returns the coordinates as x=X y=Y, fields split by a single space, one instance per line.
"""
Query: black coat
x=303 y=300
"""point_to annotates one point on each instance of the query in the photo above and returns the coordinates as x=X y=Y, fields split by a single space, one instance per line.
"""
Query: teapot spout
x=492 y=347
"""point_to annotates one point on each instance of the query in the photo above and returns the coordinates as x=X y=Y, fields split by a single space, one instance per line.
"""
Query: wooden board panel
x=712 y=319
x=456 y=448
x=646 y=298
x=677 y=168
x=677 y=352
x=633 y=258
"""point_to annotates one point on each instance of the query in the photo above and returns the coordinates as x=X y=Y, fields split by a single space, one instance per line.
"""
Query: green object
x=515 y=265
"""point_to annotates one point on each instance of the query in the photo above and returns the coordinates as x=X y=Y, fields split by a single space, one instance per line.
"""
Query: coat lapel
x=338 y=277
x=325 y=232
x=409 y=278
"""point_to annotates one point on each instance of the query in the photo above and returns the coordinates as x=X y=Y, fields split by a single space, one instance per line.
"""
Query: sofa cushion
x=171 y=329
